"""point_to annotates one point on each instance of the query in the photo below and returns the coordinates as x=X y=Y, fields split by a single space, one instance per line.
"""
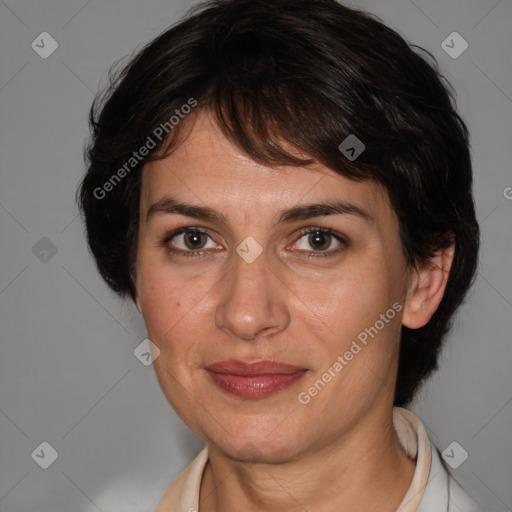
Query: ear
x=427 y=288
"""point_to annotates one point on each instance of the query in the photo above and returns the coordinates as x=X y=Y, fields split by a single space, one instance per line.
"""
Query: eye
x=197 y=242
x=188 y=240
x=320 y=240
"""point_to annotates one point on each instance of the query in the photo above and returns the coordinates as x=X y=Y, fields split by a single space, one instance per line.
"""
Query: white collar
x=431 y=489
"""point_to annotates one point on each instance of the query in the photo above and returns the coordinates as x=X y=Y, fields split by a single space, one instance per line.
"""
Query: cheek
x=364 y=320
x=161 y=305
x=163 y=312
x=173 y=305
x=354 y=302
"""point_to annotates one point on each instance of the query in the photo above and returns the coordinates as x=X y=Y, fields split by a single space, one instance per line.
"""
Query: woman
x=284 y=190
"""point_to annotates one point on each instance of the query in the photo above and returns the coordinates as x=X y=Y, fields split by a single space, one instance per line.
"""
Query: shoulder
x=459 y=499
x=183 y=493
x=443 y=492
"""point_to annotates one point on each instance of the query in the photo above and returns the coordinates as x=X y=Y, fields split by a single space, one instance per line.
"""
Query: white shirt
x=433 y=488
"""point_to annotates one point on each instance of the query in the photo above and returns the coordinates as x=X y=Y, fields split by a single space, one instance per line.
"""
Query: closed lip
x=254 y=379
x=249 y=368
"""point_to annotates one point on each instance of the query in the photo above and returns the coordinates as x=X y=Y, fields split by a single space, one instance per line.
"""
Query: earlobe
x=427 y=288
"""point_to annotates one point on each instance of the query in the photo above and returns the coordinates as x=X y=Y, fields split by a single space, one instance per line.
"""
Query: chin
x=252 y=442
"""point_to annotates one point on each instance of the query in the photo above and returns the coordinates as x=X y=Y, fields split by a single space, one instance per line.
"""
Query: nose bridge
x=251 y=300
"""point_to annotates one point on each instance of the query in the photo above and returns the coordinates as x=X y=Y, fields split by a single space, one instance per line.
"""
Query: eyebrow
x=170 y=205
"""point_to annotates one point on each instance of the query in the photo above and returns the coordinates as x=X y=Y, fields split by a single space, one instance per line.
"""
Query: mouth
x=256 y=379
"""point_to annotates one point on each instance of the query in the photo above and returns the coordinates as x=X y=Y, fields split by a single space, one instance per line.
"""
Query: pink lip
x=254 y=379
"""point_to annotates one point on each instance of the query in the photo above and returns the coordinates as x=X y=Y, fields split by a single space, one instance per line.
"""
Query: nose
x=253 y=300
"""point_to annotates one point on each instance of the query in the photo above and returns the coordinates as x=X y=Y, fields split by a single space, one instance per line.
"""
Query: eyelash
x=311 y=254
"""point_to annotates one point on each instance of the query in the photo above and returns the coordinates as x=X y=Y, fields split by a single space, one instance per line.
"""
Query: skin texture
x=340 y=450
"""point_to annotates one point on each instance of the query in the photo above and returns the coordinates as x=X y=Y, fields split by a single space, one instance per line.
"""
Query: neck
x=366 y=470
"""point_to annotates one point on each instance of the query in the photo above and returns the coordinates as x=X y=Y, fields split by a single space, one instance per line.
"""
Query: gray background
x=68 y=375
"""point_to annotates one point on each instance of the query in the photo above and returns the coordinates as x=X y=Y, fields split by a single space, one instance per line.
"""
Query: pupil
x=193 y=239
x=316 y=239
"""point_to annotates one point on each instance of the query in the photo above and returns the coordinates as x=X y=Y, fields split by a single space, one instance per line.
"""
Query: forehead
x=207 y=168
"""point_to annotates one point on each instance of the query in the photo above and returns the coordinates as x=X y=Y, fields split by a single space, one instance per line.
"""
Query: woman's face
x=253 y=287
